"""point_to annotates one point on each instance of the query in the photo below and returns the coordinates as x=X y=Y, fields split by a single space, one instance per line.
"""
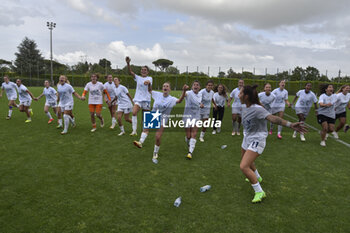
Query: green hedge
x=177 y=81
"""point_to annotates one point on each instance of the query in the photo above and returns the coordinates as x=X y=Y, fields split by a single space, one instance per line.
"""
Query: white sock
x=257 y=188
x=134 y=123
x=114 y=120
x=192 y=144
x=143 y=137
x=60 y=121
x=71 y=120
x=48 y=114
x=10 y=112
x=66 y=121
x=122 y=128
x=234 y=126
x=156 y=149
x=257 y=173
x=280 y=129
x=202 y=134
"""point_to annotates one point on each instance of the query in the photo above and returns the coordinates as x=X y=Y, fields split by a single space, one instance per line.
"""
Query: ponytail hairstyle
x=342 y=88
x=324 y=87
x=252 y=94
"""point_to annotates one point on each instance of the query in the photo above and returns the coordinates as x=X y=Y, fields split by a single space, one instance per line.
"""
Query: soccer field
x=99 y=182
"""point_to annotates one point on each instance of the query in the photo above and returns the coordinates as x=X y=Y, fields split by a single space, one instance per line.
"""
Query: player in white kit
x=236 y=108
x=110 y=86
x=192 y=115
x=279 y=104
x=125 y=103
x=25 y=100
x=219 y=98
x=266 y=97
x=51 y=100
x=254 y=118
x=343 y=102
x=142 y=98
x=66 y=102
x=305 y=100
x=11 y=93
x=326 y=111
x=207 y=99
x=96 y=91
x=163 y=103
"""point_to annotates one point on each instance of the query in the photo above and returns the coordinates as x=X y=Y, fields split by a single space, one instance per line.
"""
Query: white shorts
x=51 y=104
x=303 y=110
x=26 y=103
x=145 y=105
x=67 y=107
x=237 y=110
x=204 y=115
x=13 y=97
x=254 y=144
x=124 y=110
x=278 y=109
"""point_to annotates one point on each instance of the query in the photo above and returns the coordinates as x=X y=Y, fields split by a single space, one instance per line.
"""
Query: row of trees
x=30 y=62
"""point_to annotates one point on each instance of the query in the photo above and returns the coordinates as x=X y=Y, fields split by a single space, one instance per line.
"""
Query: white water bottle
x=177 y=202
x=205 y=188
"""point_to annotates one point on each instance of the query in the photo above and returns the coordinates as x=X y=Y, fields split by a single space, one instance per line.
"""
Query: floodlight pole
x=51 y=26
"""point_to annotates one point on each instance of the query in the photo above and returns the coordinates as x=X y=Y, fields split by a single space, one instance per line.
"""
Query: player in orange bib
x=96 y=90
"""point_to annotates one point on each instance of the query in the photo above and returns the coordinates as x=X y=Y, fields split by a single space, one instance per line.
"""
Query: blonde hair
x=342 y=88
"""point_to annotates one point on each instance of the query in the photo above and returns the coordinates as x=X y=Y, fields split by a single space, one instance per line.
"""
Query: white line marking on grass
x=314 y=128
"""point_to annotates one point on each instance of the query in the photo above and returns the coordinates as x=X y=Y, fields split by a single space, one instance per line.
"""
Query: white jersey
x=50 y=94
x=342 y=102
x=266 y=100
x=254 y=122
x=142 y=93
x=10 y=89
x=65 y=92
x=95 y=92
x=23 y=94
x=164 y=104
x=305 y=101
x=110 y=88
x=219 y=99
x=206 y=100
x=327 y=111
x=279 y=104
x=192 y=106
x=235 y=95
x=123 y=99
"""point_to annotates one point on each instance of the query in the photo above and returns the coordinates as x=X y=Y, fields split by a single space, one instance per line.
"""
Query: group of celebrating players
x=250 y=108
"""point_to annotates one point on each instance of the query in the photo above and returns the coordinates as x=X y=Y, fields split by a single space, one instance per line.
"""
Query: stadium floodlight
x=51 y=26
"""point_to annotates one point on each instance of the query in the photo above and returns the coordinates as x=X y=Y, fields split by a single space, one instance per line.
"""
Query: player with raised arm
x=11 y=93
x=207 y=99
x=163 y=103
x=96 y=90
x=343 y=102
x=236 y=108
x=191 y=116
x=254 y=118
x=219 y=98
x=326 y=111
x=125 y=103
x=305 y=99
x=66 y=102
x=51 y=100
x=25 y=100
x=142 y=98
x=110 y=86
x=279 y=105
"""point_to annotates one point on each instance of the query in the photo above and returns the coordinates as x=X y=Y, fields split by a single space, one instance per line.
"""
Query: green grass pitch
x=99 y=182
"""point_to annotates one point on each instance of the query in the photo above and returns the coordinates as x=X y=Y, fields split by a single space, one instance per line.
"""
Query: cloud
x=15 y=15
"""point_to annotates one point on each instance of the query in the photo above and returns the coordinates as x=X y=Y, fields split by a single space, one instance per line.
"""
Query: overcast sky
x=217 y=33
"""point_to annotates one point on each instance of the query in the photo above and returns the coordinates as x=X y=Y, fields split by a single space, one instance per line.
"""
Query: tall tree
x=28 y=58
x=105 y=63
x=298 y=74
x=312 y=74
x=162 y=64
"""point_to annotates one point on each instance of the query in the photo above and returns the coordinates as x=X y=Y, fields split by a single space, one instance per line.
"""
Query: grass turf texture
x=99 y=182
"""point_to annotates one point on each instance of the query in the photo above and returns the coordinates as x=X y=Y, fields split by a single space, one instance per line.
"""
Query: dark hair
x=97 y=76
x=266 y=84
x=224 y=89
x=145 y=67
x=324 y=87
x=210 y=81
x=196 y=81
x=307 y=84
x=252 y=94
